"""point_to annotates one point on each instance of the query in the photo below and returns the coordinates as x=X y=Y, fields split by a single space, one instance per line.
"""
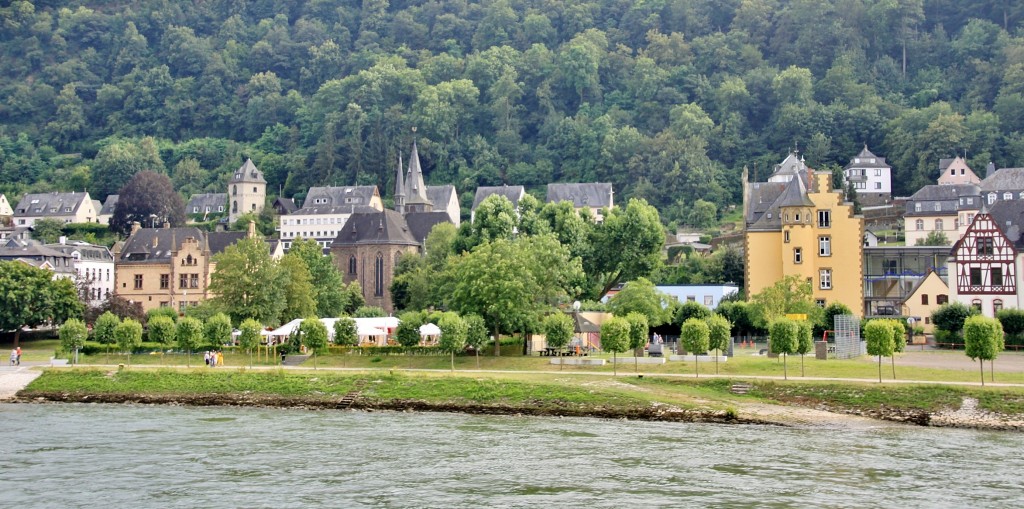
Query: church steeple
x=415 y=189
x=399 y=188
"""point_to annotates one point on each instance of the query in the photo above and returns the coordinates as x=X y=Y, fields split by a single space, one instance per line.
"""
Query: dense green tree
x=72 y=334
x=345 y=332
x=790 y=295
x=408 y=331
x=313 y=333
x=328 y=288
x=248 y=283
x=981 y=339
x=453 y=334
x=217 y=330
x=129 y=336
x=249 y=336
x=782 y=339
x=691 y=309
x=641 y=296
x=47 y=231
x=30 y=297
x=804 y=341
x=694 y=336
x=719 y=335
x=627 y=245
x=878 y=336
x=558 y=330
x=161 y=330
x=189 y=334
x=638 y=327
x=615 y=338
x=120 y=160
x=298 y=288
x=950 y=317
x=476 y=334
x=103 y=329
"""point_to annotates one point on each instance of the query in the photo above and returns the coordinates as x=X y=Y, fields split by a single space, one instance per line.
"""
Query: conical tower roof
x=415 y=189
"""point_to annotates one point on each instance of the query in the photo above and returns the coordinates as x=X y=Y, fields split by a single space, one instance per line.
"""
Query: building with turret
x=798 y=224
x=247 y=191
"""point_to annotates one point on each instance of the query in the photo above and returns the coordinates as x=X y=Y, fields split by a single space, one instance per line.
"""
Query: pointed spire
x=414 y=186
x=399 y=188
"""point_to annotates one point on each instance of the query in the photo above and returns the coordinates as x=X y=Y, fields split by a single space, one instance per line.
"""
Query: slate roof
x=198 y=202
x=791 y=165
x=1004 y=179
x=420 y=223
x=594 y=195
x=247 y=173
x=795 y=195
x=139 y=248
x=944 y=163
x=1009 y=217
x=441 y=195
x=285 y=205
x=378 y=227
x=762 y=202
x=36 y=254
x=948 y=196
x=218 y=241
x=338 y=200
x=513 y=193
x=109 y=205
x=49 y=204
x=865 y=157
x=90 y=252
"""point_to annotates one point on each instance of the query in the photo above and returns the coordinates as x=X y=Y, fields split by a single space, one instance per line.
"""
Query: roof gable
x=594 y=195
x=377 y=227
x=50 y=204
x=513 y=193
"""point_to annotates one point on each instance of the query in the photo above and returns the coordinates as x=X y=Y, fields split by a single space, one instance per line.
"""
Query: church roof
x=377 y=227
x=1004 y=179
x=420 y=223
x=415 y=189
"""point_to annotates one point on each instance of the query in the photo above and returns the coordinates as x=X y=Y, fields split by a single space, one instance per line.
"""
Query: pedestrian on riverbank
x=14 y=356
x=206 y=358
x=19 y=356
x=220 y=358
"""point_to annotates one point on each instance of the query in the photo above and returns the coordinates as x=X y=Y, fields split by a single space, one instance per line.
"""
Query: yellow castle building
x=797 y=224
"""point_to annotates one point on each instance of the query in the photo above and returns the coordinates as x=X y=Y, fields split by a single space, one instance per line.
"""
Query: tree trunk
x=992 y=369
x=314 y=359
x=477 y=352
x=981 y=364
x=497 y=342
x=453 y=361
x=636 y=363
x=879 y=369
x=893 y=360
x=718 y=352
x=615 y=365
x=17 y=336
x=696 y=366
x=802 y=365
x=785 y=372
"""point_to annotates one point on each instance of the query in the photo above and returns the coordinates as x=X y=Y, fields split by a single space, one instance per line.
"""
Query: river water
x=121 y=456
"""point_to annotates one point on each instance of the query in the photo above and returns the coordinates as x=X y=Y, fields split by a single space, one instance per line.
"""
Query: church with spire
x=368 y=247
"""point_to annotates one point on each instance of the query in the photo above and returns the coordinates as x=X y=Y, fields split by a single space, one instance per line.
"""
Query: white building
x=64 y=207
x=325 y=212
x=869 y=173
x=248 y=191
x=94 y=268
x=6 y=212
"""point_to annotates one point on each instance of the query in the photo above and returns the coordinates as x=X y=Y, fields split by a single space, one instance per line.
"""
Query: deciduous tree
x=149 y=199
x=782 y=338
x=314 y=335
x=453 y=334
x=72 y=336
x=129 y=336
x=30 y=297
x=694 y=335
x=638 y=327
x=878 y=336
x=189 y=335
x=615 y=338
x=345 y=332
x=249 y=336
x=248 y=283
x=719 y=335
x=981 y=339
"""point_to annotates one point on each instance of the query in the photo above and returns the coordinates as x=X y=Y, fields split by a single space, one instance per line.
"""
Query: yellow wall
x=769 y=257
x=151 y=295
x=932 y=286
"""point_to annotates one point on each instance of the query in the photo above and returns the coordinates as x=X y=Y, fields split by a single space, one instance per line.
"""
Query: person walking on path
x=19 y=356
x=220 y=358
x=14 y=356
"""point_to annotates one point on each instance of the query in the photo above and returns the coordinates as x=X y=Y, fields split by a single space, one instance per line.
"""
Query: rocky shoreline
x=968 y=416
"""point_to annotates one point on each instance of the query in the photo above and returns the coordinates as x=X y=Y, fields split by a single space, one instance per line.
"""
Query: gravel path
x=15 y=378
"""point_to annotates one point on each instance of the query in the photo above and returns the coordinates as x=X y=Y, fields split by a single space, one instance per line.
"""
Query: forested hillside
x=666 y=99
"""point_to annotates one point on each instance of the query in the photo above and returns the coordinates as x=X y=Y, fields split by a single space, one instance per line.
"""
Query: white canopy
x=429 y=329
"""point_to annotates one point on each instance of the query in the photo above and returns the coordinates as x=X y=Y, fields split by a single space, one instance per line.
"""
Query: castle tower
x=399 y=189
x=247 y=191
x=416 y=191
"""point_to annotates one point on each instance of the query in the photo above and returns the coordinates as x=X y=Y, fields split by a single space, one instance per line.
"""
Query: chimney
x=156 y=241
x=135 y=227
x=251 y=230
x=63 y=240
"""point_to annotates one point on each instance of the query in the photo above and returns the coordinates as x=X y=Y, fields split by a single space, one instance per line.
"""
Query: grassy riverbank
x=536 y=394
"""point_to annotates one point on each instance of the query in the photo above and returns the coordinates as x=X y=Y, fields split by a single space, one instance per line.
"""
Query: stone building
x=248 y=191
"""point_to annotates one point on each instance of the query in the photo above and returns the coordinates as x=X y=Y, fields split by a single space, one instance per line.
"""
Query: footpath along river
x=105 y=456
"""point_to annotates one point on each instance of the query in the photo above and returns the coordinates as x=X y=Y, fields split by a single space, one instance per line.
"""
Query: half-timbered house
x=984 y=265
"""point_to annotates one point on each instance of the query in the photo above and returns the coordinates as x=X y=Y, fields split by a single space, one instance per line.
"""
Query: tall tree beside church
x=328 y=287
x=248 y=283
x=148 y=198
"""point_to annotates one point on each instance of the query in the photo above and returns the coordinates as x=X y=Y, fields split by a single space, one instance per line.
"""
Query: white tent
x=429 y=329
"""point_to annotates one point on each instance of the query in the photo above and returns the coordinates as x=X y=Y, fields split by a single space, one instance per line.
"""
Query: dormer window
x=938 y=206
x=195 y=210
x=67 y=209
x=856 y=160
x=991 y=198
x=1007 y=196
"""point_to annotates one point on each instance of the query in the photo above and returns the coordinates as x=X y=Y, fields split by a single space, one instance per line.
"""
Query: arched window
x=996 y=306
x=938 y=225
x=378 y=275
x=234 y=207
x=352 y=264
x=976 y=304
x=919 y=224
x=234 y=190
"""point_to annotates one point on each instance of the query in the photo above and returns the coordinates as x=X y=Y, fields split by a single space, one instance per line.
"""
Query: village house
x=6 y=212
x=64 y=207
x=106 y=211
x=930 y=292
x=870 y=176
x=955 y=171
x=204 y=206
x=984 y=264
x=93 y=267
x=592 y=196
x=798 y=224
x=941 y=209
x=512 y=193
